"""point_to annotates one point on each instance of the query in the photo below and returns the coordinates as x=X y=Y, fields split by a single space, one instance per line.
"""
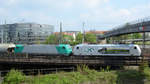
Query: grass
x=83 y=75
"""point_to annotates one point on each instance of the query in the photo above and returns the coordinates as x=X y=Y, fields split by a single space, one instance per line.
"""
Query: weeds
x=14 y=77
x=83 y=75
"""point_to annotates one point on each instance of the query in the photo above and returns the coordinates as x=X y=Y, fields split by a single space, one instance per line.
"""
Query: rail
x=71 y=60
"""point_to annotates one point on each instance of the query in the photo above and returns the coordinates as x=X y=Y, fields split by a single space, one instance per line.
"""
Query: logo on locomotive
x=89 y=50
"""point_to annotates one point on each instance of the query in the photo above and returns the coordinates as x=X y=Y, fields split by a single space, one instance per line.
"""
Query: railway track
x=74 y=60
x=23 y=59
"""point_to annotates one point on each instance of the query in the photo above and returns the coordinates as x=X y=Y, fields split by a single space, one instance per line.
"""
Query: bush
x=145 y=70
x=143 y=66
x=130 y=77
x=14 y=77
x=83 y=75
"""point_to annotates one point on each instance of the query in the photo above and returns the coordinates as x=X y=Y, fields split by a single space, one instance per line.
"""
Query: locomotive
x=77 y=50
x=107 y=50
x=43 y=49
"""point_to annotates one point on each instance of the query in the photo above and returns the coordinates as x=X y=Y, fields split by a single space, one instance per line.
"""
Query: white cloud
x=97 y=12
x=108 y=15
x=93 y=3
x=12 y=2
x=84 y=16
x=9 y=2
x=68 y=4
x=38 y=17
x=125 y=12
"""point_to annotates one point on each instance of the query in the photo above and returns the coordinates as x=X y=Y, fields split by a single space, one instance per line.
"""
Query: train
x=107 y=50
x=43 y=49
x=77 y=50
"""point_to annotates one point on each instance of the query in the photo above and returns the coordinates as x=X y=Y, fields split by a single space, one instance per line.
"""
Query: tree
x=129 y=36
x=137 y=36
x=79 y=37
x=52 y=39
x=90 y=38
x=67 y=39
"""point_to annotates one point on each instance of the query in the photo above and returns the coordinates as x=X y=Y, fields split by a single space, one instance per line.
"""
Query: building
x=96 y=32
x=25 y=33
x=72 y=33
x=69 y=33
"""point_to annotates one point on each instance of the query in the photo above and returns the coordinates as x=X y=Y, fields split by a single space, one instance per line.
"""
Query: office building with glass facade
x=25 y=33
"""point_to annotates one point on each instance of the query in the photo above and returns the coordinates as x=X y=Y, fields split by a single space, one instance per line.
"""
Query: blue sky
x=97 y=14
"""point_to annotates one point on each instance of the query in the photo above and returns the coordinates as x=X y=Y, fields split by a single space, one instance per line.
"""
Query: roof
x=65 y=33
x=123 y=45
x=97 y=32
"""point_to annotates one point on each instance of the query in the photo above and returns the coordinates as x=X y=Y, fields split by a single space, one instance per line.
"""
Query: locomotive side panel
x=86 y=50
x=40 y=49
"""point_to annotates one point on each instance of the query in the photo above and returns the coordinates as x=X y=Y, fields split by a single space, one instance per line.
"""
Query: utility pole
x=60 y=40
x=83 y=39
x=5 y=22
x=6 y=38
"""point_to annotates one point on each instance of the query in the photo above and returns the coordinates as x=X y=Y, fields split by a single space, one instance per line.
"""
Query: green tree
x=67 y=39
x=52 y=39
x=79 y=37
x=137 y=36
x=129 y=36
x=90 y=38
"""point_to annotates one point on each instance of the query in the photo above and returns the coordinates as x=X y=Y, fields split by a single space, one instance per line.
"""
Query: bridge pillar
x=113 y=40
x=108 y=40
x=143 y=40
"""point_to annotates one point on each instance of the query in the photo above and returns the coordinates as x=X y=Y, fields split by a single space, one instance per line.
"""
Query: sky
x=96 y=14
